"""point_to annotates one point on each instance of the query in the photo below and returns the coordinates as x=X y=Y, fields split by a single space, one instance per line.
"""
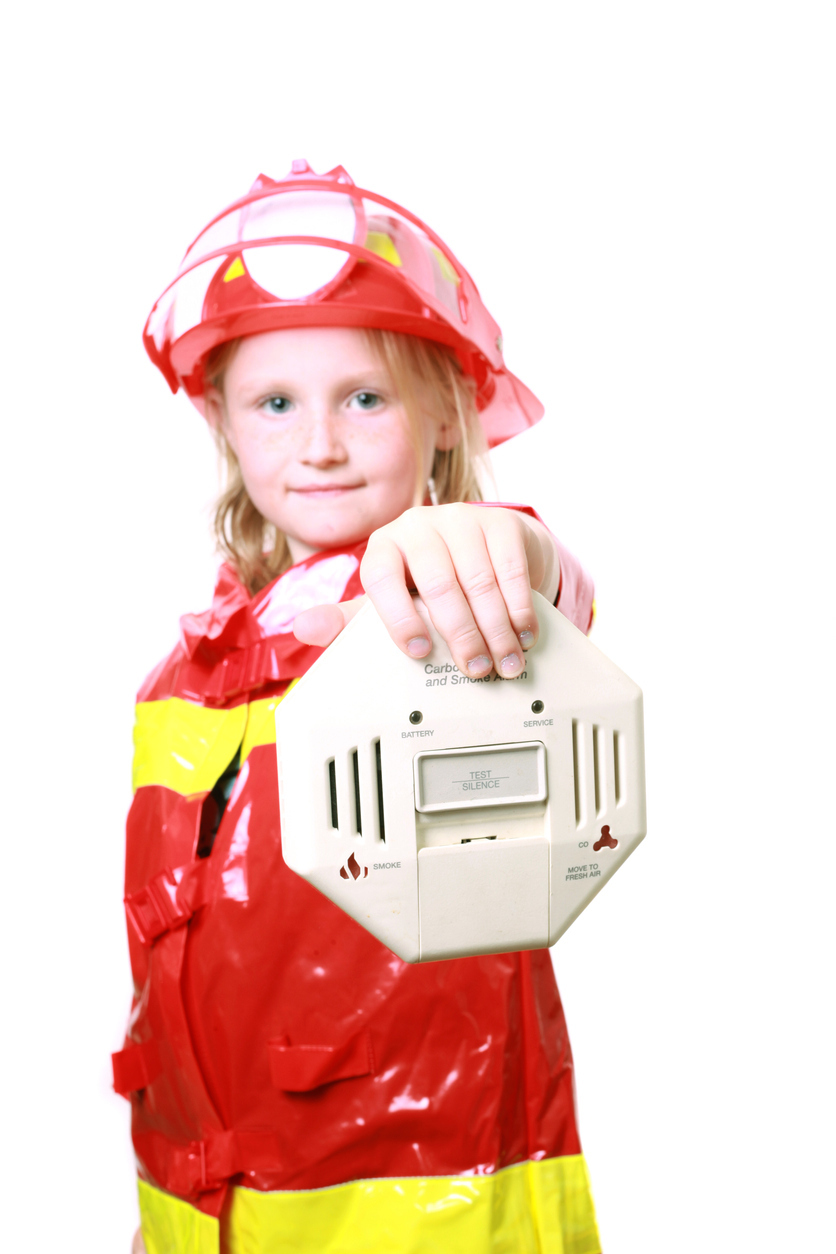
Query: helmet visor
x=297 y=245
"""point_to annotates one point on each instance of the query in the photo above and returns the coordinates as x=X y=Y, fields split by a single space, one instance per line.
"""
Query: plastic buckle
x=197 y=1167
x=242 y=671
x=226 y=678
x=155 y=909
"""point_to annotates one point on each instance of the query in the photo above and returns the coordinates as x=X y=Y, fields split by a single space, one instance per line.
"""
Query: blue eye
x=367 y=400
x=277 y=405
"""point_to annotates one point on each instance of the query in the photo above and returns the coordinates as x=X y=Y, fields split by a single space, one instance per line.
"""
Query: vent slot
x=596 y=766
x=595 y=771
x=576 y=769
x=380 y=824
x=616 y=758
x=332 y=787
x=355 y=767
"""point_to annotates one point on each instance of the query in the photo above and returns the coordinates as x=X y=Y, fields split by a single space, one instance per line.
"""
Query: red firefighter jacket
x=274 y=1045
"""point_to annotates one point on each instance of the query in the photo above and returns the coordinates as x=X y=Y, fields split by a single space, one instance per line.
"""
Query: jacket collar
x=235 y=620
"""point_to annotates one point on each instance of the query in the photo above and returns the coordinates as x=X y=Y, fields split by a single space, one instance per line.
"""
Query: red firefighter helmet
x=315 y=250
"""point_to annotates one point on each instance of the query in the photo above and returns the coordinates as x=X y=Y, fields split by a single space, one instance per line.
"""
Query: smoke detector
x=453 y=816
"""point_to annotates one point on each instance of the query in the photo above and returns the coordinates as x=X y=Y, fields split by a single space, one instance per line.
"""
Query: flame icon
x=354 y=867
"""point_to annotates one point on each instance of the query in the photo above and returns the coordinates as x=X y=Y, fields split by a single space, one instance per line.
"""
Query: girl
x=294 y=1085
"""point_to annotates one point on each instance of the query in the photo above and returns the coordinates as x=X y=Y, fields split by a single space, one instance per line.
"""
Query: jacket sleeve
x=575 y=591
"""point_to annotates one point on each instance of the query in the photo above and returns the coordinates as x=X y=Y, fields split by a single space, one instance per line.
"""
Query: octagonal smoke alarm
x=451 y=816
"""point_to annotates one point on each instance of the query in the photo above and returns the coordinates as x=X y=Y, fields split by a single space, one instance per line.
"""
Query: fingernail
x=526 y=639
x=511 y=664
x=418 y=646
x=479 y=665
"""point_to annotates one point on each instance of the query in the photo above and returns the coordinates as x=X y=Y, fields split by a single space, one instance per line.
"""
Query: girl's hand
x=138 y=1245
x=474 y=569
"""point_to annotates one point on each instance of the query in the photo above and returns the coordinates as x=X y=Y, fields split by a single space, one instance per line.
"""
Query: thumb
x=323 y=623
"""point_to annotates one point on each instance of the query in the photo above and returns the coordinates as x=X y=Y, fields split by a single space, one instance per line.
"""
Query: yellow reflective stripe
x=532 y=1208
x=561 y=1201
x=171 y=1226
x=384 y=246
x=261 y=723
x=235 y=271
x=183 y=746
x=447 y=271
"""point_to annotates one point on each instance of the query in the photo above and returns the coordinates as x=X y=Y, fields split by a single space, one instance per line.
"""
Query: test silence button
x=416 y=717
x=537 y=707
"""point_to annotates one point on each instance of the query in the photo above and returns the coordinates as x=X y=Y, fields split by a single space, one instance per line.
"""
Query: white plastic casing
x=486 y=827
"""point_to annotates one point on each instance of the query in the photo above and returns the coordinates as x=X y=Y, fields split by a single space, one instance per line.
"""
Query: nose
x=321 y=442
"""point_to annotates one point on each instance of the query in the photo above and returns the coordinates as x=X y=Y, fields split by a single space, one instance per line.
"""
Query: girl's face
x=324 y=444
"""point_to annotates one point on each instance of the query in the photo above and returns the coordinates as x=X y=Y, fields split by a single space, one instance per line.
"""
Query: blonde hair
x=427 y=378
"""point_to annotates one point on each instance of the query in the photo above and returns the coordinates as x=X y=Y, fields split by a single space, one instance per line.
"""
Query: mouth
x=325 y=491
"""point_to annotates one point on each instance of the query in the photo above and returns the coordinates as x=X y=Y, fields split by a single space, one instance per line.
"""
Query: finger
x=434 y=575
x=321 y=624
x=383 y=575
x=516 y=558
x=473 y=564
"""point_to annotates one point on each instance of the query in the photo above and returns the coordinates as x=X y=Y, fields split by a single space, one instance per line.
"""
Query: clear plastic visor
x=259 y=239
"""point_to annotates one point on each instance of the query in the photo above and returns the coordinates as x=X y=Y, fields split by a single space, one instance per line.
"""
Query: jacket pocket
x=300 y=1068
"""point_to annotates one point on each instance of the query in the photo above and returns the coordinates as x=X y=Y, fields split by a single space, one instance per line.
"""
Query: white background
x=644 y=193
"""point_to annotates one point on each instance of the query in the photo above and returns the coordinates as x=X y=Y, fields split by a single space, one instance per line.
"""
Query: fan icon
x=353 y=866
x=605 y=839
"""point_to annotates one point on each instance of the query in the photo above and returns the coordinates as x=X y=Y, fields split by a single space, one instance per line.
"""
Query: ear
x=447 y=436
